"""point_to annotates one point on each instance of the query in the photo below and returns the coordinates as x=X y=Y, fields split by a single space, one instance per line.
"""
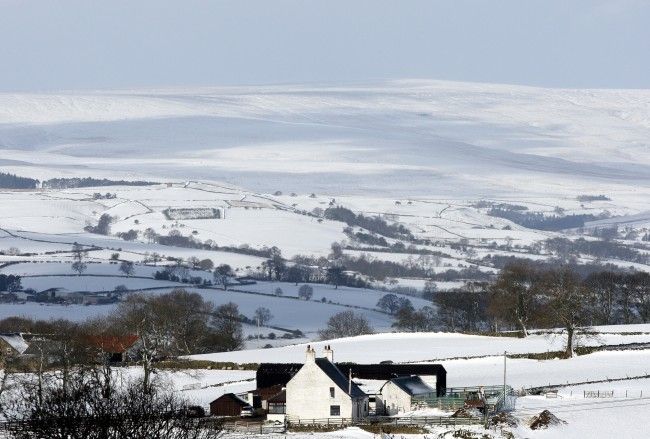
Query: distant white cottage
x=403 y=394
x=320 y=391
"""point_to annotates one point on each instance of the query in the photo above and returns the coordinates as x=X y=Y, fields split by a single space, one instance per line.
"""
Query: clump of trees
x=372 y=223
x=10 y=282
x=540 y=221
x=567 y=248
x=103 y=226
x=526 y=295
x=12 y=181
x=72 y=391
x=392 y=303
x=222 y=275
x=75 y=182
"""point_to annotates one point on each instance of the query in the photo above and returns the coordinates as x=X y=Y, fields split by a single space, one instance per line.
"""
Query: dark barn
x=227 y=405
x=270 y=374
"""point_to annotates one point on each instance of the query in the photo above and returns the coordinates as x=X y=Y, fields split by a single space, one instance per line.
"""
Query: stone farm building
x=404 y=394
x=319 y=390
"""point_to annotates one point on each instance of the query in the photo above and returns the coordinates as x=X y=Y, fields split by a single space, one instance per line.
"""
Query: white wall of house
x=309 y=395
x=394 y=399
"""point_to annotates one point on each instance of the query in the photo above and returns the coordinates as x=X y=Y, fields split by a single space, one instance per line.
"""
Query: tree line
x=525 y=296
x=12 y=181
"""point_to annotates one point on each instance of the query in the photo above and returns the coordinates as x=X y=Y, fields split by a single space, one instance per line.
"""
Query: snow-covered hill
x=418 y=138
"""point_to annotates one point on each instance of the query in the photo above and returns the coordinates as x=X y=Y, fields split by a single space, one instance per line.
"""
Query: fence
x=446 y=421
x=253 y=427
x=598 y=394
x=457 y=397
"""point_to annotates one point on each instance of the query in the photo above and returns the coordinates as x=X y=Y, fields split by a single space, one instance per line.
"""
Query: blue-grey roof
x=339 y=379
x=413 y=385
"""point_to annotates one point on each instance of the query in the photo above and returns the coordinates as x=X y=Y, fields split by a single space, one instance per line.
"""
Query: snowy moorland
x=461 y=176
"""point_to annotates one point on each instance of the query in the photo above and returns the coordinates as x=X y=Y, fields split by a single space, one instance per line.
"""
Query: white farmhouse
x=320 y=391
x=402 y=394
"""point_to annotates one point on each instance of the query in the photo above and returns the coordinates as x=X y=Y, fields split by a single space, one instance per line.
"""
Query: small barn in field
x=227 y=405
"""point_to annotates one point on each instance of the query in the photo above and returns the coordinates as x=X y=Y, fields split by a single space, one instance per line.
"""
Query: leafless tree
x=345 y=324
x=513 y=296
x=127 y=268
x=222 y=274
x=305 y=292
x=79 y=408
x=565 y=304
x=262 y=316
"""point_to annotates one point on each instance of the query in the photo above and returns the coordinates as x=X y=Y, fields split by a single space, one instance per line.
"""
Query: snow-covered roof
x=413 y=385
x=16 y=341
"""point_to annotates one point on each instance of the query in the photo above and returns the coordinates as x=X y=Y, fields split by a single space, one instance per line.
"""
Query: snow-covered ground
x=597 y=418
x=451 y=137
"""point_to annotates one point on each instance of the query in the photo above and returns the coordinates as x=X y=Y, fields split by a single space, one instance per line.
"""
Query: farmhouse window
x=335 y=410
x=331 y=392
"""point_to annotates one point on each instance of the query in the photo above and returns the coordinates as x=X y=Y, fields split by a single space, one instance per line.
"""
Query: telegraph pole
x=505 y=357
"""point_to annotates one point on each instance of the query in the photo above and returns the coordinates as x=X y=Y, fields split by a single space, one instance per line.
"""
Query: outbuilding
x=277 y=407
x=227 y=405
x=404 y=394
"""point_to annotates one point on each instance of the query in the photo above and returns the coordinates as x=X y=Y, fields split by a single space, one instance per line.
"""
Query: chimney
x=311 y=354
x=329 y=353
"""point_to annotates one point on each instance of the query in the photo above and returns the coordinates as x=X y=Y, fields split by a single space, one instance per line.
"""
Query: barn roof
x=16 y=341
x=232 y=397
x=335 y=374
x=113 y=344
x=413 y=385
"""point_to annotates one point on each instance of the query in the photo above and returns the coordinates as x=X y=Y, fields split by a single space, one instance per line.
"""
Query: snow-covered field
x=586 y=417
x=452 y=138
x=422 y=347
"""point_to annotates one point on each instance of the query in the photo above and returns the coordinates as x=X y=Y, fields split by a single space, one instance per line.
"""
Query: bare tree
x=262 y=316
x=389 y=303
x=305 y=292
x=167 y=325
x=566 y=302
x=227 y=322
x=79 y=408
x=346 y=324
x=222 y=274
x=127 y=268
x=513 y=296
x=78 y=254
